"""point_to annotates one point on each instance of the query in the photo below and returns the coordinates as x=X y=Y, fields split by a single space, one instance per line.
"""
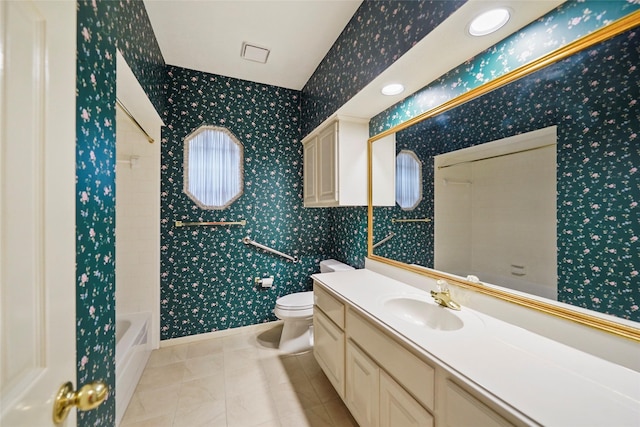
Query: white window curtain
x=215 y=168
x=408 y=180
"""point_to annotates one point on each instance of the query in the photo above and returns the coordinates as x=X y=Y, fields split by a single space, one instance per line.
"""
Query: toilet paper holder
x=264 y=282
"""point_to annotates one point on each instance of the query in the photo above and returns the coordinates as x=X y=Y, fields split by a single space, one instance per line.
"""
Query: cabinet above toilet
x=335 y=165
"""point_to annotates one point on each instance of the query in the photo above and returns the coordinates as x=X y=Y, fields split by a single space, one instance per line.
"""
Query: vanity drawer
x=416 y=376
x=333 y=308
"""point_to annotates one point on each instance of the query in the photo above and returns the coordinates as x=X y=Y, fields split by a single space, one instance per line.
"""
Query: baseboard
x=219 y=334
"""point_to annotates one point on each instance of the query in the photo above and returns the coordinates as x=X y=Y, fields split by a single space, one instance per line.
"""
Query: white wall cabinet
x=309 y=161
x=335 y=166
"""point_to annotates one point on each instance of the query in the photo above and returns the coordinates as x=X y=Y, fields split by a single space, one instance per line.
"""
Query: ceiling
x=207 y=35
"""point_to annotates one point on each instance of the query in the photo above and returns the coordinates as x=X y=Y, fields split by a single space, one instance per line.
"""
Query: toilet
x=296 y=312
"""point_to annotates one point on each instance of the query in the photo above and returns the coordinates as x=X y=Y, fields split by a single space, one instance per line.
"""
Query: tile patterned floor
x=235 y=381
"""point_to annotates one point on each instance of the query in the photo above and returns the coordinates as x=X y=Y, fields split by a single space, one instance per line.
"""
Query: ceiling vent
x=254 y=53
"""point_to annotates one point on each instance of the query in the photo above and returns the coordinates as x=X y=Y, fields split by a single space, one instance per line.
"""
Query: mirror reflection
x=408 y=180
x=495 y=212
x=591 y=101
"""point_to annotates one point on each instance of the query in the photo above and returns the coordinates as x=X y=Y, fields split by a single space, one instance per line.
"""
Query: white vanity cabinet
x=461 y=408
x=375 y=399
x=384 y=381
x=399 y=408
x=386 y=384
x=362 y=395
x=329 y=338
x=486 y=373
x=335 y=162
x=372 y=374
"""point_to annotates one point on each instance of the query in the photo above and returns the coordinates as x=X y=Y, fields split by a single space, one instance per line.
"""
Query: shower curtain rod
x=135 y=122
x=496 y=156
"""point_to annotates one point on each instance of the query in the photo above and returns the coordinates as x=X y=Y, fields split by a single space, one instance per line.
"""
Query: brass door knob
x=90 y=396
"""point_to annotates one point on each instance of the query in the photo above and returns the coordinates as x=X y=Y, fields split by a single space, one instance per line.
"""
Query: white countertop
x=549 y=382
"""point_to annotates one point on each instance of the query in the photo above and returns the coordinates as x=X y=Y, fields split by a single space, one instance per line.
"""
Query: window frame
x=186 y=141
x=420 y=183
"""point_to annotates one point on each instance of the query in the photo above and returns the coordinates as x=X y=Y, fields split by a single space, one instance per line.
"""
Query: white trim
x=129 y=91
x=220 y=334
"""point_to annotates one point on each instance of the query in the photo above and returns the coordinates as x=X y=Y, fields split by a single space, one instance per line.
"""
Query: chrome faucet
x=443 y=297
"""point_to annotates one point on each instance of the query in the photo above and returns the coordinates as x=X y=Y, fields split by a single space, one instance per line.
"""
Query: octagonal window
x=213 y=172
x=408 y=180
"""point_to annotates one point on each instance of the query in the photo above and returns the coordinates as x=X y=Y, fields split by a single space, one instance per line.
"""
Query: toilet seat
x=296 y=302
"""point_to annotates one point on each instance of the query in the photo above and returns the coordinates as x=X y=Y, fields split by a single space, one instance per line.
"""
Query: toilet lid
x=297 y=301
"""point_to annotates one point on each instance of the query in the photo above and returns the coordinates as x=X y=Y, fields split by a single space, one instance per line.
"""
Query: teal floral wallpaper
x=594 y=99
x=100 y=28
x=207 y=273
x=95 y=211
x=348 y=227
x=570 y=21
x=379 y=33
x=137 y=43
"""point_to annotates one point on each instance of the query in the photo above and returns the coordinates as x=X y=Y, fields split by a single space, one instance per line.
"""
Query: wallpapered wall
x=570 y=21
x=379 y=33
x=593 y=99
x=101 y=25
x=104 y=24
x=207 y=273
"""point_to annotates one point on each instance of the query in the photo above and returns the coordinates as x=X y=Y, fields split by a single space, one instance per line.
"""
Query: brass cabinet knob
x=90 y=396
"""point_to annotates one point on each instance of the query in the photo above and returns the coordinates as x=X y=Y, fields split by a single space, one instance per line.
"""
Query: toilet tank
x=330 y=265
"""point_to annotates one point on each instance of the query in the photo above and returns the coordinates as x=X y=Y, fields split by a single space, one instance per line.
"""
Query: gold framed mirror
x=578 y=50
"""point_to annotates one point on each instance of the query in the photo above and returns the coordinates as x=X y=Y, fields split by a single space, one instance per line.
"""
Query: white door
x=37 y=208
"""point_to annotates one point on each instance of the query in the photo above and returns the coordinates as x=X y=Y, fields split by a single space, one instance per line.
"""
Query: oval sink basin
x=423 y=313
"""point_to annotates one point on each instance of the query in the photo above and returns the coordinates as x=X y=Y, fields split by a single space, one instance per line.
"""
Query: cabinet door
x=461 y=409
x=399 y=408
x=310 y=171
x=363 y=388
x=328 y=349
x=383 y=170
x=327 y=170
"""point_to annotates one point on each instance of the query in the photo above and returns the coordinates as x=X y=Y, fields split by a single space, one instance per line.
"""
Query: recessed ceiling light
x=392 y=89
x=488 y=22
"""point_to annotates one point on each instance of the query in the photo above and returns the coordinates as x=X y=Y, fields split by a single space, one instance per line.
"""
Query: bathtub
x=133 y=347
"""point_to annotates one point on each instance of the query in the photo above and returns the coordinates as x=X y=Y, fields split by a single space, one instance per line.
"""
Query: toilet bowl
x=296 y=312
